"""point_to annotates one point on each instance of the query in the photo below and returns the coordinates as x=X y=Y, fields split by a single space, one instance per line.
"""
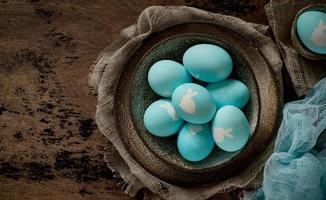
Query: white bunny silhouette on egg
x=220 y=133
x=170 y=110
x=187 y=103
x=319 y=35
x=194 y=129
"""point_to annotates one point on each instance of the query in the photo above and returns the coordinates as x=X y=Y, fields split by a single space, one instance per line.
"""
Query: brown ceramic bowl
x=159 y=155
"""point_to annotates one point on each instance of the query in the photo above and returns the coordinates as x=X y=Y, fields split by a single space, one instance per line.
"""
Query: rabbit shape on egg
x=193 y=103
x=319 y=36
x=194 y=128
x=187 y=103
x=230 y=128
x=161 y=120
x=170 y=110
x=220 y=133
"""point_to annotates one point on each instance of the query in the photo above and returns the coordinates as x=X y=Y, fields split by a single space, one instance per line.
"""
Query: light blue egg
x=229 y=92
x=160 y=119
x=193 y=103
x=207 y=62
x=311 y=29
x=230 y=128
x=195 y=142
x=165 y=75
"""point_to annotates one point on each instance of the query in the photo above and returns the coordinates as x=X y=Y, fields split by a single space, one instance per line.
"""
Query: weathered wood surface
x=50 y=147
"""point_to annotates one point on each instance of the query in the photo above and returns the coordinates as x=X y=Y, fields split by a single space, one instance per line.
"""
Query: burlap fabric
x=104 y=78
x=304 y=72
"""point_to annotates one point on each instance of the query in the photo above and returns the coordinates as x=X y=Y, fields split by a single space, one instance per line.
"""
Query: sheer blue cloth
x=297 y=168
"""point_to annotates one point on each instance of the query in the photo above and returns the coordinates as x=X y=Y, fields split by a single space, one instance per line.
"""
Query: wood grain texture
x=50 y=147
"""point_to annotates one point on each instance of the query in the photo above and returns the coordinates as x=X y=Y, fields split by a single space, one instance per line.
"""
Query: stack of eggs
x=202 y=114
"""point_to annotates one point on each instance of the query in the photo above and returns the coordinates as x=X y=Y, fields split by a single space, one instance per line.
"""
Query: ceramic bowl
x=160 y=156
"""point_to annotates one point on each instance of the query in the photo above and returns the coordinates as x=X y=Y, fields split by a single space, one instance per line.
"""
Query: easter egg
x=207 y=62
x=165 y=75
x=161 y=120
x=229 y=92
x=193 y=103
x=230 y=128
x=311 y=30
x=195 y=142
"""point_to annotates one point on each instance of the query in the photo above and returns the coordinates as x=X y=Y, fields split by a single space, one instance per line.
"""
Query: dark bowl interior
x=142 y=96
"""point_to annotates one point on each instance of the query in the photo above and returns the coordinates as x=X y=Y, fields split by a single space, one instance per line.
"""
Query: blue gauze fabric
x=297 y=168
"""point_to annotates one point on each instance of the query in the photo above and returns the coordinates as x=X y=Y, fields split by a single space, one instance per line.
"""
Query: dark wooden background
x=50 y=147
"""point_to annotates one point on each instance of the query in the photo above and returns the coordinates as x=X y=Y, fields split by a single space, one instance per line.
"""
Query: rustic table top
x=50 y=147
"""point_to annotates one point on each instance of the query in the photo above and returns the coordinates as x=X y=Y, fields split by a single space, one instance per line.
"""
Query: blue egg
x=230 y=129
x=165 y=75
x=161 y=120
x=311 y=29
x=195 y=142
x=207 y=62
x=229 y=92
x=193 y=103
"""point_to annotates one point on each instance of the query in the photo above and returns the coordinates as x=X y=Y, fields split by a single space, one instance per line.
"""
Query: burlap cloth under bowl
x=104 y=78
